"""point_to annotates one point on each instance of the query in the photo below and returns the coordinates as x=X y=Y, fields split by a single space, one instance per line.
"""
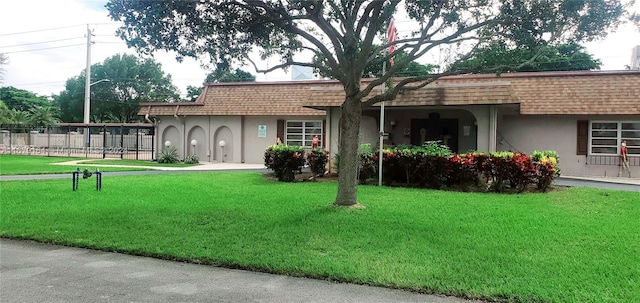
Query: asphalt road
x=35 y=272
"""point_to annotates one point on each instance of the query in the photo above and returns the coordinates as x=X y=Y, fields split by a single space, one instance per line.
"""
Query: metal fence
x=611 y=160
x=111 y=140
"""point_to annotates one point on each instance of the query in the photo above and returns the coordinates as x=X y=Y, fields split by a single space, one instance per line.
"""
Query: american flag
x=392 y=35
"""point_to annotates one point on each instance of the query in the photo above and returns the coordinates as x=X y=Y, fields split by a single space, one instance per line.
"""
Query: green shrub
x=192 y=159
x=368 y=163
x=436 y=148
x=284 y=160
x=168 y=155
x=317 y=159
x=547 y=167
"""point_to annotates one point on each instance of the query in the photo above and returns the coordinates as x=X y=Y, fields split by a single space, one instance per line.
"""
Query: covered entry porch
x=462 y=128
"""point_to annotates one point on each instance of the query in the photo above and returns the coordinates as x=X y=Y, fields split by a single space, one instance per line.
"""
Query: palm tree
x=19 y=117
x=5 y=113
x=43 y=116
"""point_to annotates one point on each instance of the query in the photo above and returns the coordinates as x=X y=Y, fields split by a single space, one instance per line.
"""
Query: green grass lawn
x=573 y=245
x=34 y=165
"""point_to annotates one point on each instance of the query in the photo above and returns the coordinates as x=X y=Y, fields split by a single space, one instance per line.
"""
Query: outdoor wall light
x=167 y=143
x=222 y=144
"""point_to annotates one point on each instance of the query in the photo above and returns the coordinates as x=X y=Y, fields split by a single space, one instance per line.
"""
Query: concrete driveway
x=35 y=272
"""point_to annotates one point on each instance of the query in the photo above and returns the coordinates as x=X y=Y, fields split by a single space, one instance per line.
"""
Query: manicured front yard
x=573 y=245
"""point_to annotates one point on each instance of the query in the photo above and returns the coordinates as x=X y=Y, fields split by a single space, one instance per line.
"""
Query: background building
x=635 y=58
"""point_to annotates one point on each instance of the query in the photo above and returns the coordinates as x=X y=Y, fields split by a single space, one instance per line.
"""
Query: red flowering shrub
x=464 y=170
x=318 y=159
x=434 y=166
x=433 y=171
x=547 y=168
x=284 y=160
x=368 y=163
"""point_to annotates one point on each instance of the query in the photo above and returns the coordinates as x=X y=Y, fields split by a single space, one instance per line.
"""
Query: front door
x=444 y=130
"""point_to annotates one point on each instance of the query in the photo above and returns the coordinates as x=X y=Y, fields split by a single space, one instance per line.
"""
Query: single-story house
x=583 y=115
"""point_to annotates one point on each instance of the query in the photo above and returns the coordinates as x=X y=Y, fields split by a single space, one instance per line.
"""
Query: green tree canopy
x=237 y=75
x=499 y=58
x=22 y=100
x=131 y=80
x=5 y=113
x=342 y=36
x=193 y=92
x=23 y=107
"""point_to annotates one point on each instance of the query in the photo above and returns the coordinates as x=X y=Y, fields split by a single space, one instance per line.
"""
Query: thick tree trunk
x=348 y=151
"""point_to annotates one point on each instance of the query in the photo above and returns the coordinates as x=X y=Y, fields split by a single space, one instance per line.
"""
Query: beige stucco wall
x=240 y=134
x=546 y=132
x=254 y=146
x=203 y=129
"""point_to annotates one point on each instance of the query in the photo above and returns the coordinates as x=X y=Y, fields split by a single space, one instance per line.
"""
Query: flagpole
x=384 y=70
x=391 y=36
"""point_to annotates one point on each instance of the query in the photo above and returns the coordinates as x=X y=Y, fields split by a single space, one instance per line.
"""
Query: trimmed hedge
x=434 y=166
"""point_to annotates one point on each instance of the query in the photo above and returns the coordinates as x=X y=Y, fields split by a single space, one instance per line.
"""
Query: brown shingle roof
x=249 y=98
x=446 y=94
x=584 y=92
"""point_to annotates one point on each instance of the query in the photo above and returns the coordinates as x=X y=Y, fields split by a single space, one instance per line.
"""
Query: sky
x=45 y=41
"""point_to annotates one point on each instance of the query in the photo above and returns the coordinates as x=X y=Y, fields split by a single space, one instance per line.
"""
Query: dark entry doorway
x=444 y=130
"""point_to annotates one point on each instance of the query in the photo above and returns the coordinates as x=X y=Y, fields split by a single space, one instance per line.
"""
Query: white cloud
x=45 y=71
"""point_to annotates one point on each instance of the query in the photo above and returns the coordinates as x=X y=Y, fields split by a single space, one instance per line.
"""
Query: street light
x=87 y=105
x=87 y=99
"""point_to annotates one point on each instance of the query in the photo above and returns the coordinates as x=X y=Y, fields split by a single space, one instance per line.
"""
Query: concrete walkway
x=613 y=183
x=34 y=272
x=205 y=166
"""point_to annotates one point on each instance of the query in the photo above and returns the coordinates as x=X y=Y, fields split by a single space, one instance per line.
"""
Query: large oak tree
x=342 y=36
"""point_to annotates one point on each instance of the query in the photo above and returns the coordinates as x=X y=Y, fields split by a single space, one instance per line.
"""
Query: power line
x=32 y=43
x=39 y=49
x=41 y=30
x=57 y=28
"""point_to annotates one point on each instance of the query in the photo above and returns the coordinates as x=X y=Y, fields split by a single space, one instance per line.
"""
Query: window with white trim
x=300 y=133
x=605 y=137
